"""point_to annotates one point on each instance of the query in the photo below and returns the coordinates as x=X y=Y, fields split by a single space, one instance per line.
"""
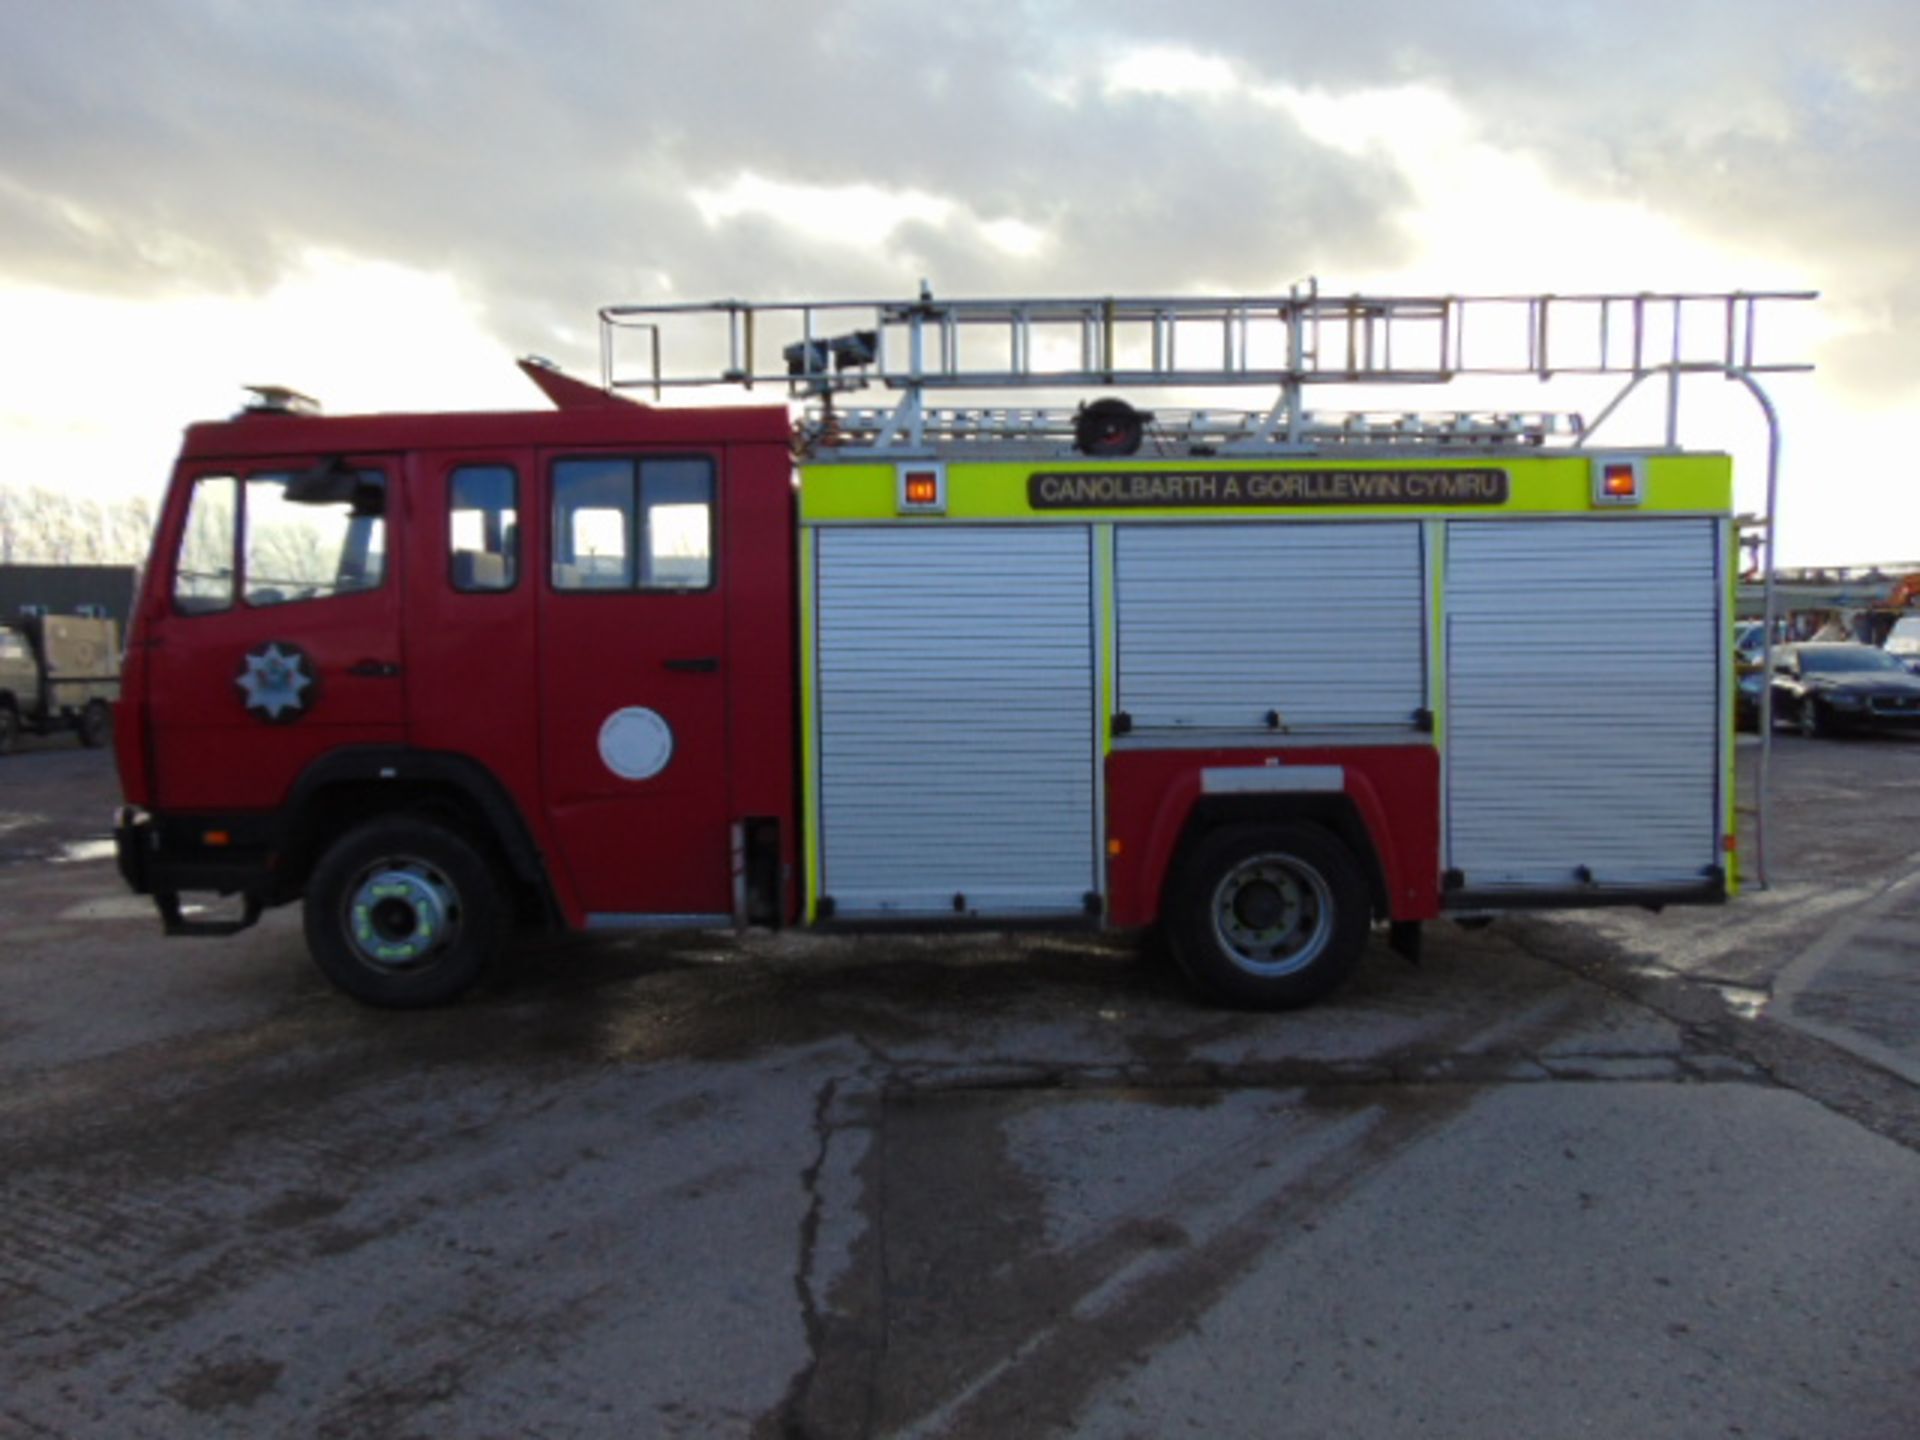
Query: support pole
x=1770 y=611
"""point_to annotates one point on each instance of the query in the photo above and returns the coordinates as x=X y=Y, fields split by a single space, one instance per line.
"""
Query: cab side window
x=623 y=524
x=203 y=569
x=483 y=529
x=676 y=524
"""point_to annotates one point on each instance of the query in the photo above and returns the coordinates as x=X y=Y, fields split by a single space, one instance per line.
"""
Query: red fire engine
x=1262 y=678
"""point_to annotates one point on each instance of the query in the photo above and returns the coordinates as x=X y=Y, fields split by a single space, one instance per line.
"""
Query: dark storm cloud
x=546 y=156
x=1792 y=130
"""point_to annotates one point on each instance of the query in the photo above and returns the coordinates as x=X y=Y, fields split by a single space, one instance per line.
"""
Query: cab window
x=676 y=524
x=483 y=539
x=307 y=542
x=203 y=568
x=622 y=524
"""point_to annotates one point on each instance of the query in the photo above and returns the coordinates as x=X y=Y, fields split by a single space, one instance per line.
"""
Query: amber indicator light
x=923 y=489
x=1619 y=481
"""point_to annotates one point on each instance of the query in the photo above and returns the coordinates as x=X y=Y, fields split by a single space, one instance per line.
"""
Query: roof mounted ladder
x=820 y=350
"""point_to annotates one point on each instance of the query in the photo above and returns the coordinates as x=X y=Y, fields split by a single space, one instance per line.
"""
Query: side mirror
x=334 y=482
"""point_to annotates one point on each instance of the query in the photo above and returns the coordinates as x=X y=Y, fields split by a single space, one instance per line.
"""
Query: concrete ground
x=1593 y=1174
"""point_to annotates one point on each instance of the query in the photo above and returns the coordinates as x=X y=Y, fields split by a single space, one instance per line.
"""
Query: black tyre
x=96 y=724
x=1268 y=917
x=9 y=728
x=404 y=912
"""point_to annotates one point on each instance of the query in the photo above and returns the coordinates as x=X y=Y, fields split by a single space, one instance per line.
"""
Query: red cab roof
x=614 y=423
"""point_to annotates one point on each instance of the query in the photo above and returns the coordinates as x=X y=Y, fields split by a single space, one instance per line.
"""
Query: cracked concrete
x=1559 y=1180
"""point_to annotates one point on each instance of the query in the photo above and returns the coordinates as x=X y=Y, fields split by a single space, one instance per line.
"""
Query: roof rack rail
x=819 y=350
x=824 y=428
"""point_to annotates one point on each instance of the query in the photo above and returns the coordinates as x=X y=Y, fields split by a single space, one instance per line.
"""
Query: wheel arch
x=344 y=789
x=1336 y=813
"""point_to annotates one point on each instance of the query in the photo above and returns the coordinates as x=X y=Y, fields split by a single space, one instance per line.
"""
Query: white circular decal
x=636 y=743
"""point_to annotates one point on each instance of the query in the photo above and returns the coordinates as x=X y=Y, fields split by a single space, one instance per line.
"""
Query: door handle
x=703 y=665
x=374 y=669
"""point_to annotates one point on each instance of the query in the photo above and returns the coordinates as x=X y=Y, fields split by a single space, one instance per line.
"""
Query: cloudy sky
x=383 y=203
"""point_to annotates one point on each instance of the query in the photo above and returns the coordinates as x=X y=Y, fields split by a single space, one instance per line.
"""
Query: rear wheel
x=1268 y=916
x=404 y=912
x=96 y=724
x=9 y=728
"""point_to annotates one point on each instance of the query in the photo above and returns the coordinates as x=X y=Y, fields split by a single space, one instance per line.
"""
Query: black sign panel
x=1256 y=489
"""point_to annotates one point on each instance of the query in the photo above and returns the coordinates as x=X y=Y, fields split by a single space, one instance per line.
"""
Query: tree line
x=47 y=527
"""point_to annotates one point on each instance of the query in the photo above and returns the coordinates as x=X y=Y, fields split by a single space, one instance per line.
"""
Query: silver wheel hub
x=401 y=913
x=1272 y=914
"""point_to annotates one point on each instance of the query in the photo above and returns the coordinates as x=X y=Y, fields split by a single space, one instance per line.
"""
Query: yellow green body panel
x=1109 y=658
x=809 y=752
x=1558 y=484
x=1729 y=708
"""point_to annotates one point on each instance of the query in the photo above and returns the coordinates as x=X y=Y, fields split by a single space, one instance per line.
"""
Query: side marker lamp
x=922 y=488
x=1619 y=482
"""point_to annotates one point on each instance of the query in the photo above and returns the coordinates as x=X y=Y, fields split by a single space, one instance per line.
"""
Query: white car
x=1903 y=641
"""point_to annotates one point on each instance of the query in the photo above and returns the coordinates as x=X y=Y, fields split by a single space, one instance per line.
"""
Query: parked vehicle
x=1903 y=641
x=1749 y=675
x=58 y=672
x=1824 y=688
x=1261 y=678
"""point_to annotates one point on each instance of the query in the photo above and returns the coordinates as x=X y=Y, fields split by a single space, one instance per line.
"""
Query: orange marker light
x=1113 y=847
x=216 y=837
x=921 y=487
x=1620 y=480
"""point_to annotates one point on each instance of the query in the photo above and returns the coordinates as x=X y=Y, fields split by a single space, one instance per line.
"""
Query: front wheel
x=1268 y=917
x=9 y=728
x=403 y=912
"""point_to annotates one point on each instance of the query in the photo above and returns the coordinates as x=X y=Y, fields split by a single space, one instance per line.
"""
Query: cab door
x=633 y=685
x=473 y=685
x=277 y=636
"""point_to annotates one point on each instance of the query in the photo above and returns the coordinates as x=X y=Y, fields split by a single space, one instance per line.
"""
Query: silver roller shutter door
x=1220 y=624
x=956 y=722
x=1583 y=703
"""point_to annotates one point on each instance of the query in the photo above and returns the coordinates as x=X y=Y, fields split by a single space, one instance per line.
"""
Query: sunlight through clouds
x=855 y=215
x=109 y=383
x=433 y=190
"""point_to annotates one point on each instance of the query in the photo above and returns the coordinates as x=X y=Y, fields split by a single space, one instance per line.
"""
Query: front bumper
x=166 y=857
